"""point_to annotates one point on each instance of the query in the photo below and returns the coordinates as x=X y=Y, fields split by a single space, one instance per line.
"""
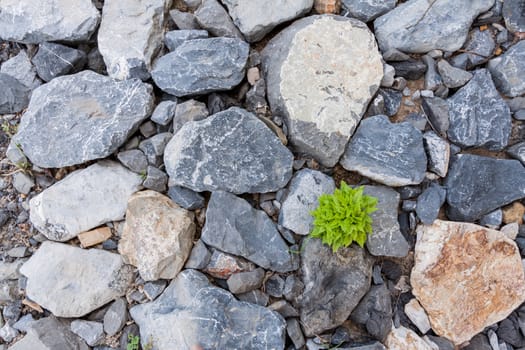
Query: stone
x=184 y=20
x=243 y=282
x=429 y=203
x=164 y=112
x=419 y=26
x=53 y=60
x=392 y=100
x=484 y=262
x=432 y=78
x=274 y=286
x=402 y=338
x=284 y=309
x=509 y=331
x=479 y=117
x=154 y=146
x=201 y=66
x=147 y=129
x=155 y=288
x=477 y=185
x=325 y=304
x=189 y=111
x=514 y=213
x=438 y=153
x=186 y=198
x=517 y=151
x=72 y=282
x=255 y=20
x=92 y=332
x=85 y=199
x=302 y=198
x=24 y=323
x=14 y=96
x=253 y=75
x=174 y=38
x=10 y=271
x=134 y=160
x=207 y=155
x=54 y=20
x=437 y=112
x=293 y=329
x=94 y=237
x=23 y=182
x=21 y=68
x=293 y=288
x=452 y=77
x=510 y=230
x=479 y=47
x=115 y=317
x=493 y=219
x=514 y=15
x=327 y=6
x=255 y=297
x=389 y=73
x=389 y=153
x=417 y=315
x=410 y=69
x=368 y=10
x=213 y=17
x=374 y=311
x=309 y=89
x=76 y=108
x=230 y=226
x=199 y=256
x=156 y=179
x=18 y=252
x=208 y=317
x=479 y=342
x=508 y=70
x=8 y=333
x=157 y=235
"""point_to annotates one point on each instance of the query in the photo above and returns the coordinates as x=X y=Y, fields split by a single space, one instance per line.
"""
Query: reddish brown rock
x=327 y=6
x=94 y=237
x=513 y=213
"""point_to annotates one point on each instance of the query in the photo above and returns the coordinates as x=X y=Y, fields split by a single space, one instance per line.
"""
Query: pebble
x=14 y=96
x=243 y=282
x=164 y=112
x=115 y=317
x=91 y=332
x=23 y=183
x=437 y=111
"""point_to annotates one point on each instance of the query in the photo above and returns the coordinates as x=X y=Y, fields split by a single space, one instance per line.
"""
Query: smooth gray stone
x=174 y=38
x=14 y=96
x=368 y=10
x=517 y=151
x=452 y=77
x=115 y=317
x=134 y=160
x=164 y=112
x=21 y=68
x=53 y=60
x=154 y=288
x=438 y=153
x=213 y=17
x=188 y=111
x=479 y=47
x=156 y=179
x=293 y=328
x=493 y=219
x=208 y=316
x=508 y=70
x=514 y=15
x=199 y=256
x=92 y=332
x=429 y=203
x=184 y=20
x=201 y=66
x=374 y=311
x=437 y=112
x=479 y=117
x=244 y=282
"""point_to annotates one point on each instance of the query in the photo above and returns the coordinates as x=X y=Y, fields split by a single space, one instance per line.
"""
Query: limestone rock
x=21 y=68
x=14 y=96
x=374 y=312
x=514 y=15
x=53 y=60
x=405 y=339
x=174 y=38
x=508 y=70
x=417 y=315
x=368 y=10
x=438 y=153
x=212 y=16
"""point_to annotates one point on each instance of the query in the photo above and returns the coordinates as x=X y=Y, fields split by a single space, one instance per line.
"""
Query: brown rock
x=466 y=277
x=327 y=6
x=405 y=339
x=94 y=237
x=514 y=213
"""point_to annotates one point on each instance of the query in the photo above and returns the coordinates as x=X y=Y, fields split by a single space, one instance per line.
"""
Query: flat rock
x=71 y=282
x=157 y=236
x=417 y=315
x=186 y=198
x=174 y=38
x=368 y=10
x=309 y=87
x=55 y=20
x=508 y=70
x=222 y=265
x=86 y=116
x=83 y=200
x=436 y=111
x=53 y=60
x=207 y=316
x=201 y=66
x=116 y=316
x=94 y=237
x=388 y=153
x=405 y=339
x=14 y=96
x=230 y=151
x=483 y=262
x=21 y=68
x=233 y=226
x=514 y=15
x=188 y=111
x=212 y=16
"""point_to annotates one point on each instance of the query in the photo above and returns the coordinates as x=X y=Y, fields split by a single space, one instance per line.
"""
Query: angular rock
x=374 y=311
x=432 y=79
x=514 y=15
x=517 y=151
x=53 y=60
x=188 y=111
x=255 y=297
x=184 y=20
x=508 y=70
x=493 y=219
x=92 y=332
x=417 y=315
x=452 y=77
x=153 y=289
x=368 y=10
x=293 y=328
x=94 y=237
x=83 y=200
x=478 y=48
x=208 y=155
x=392 y=99
x=116 y=316
x=134 y=160
x=86 y=115
x=243 y=282
x=213 y=17
x=438 y=153
x=155 y=180
x=71 y=282
x=388 y=153
x=405 y=339
x=157 y=235
x=199 y=256
x=309 y=88
x=274 y=286
x=174 y=38
x=154 y=146
x=207 y=316
x=437 y=113
x=164 y=112
x=429 y=203
x=21 y=68
x=410 y=69
x=14 y=96
x=186 y=198
x=23 y=182
x=485 y=263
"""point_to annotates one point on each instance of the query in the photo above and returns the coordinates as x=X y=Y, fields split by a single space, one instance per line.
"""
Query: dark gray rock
x=213 y=17
x=436 y=110
x=14 y=96
x=115 y=317
x=517 y=151
x=392 y=100
x=208 y=155
x=92 y=332
x=154 y=288
x=24 y=323
x=509 y=331
x=493 y=219
x=207 y=316
x=479 y=342
x=388 y=153
x=156 y=179
x=189 y=111
x=438 y=153
x=293 y=288
x=442 y=343
x=184 y=20
x=508 y=70
x=411 y=69
x=429 y=203
x=274 y=286
x=478 y=49
x=244 y=282
x=21 y=68
x=514 y=15
x=201 y=66
x=479 y=117
x=419 y=120
x=255 y=297
x=95 y=61
x=374 y=311
x=164 y=112
x=174 y=38
x=368 y=10
x=154 y=146
x=452 y=77
x=432 y=78
x=134 y=160
x=519 y=115
x=293 y=329
x=284 y=309
x=53 y=60
x=477 y=185
x=186 y=198
x=199 y=256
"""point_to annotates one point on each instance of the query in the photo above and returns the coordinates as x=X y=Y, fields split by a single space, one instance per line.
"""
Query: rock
x=368 y=10
x=74 y=109
x=207 y=155
x=24 y=323
x=274 y=286
x=8 y=333
x=243 y=282
x=517 y=151
x=18 y=252
x=21 y=68
x=479 y=117
x=230 y=226
x=452 y=77
x=514 y=213
x=478 y=185
x=429 y=203
x=213 y=17
x=9 y=271
x=255 y=297
x=174 y=38
x=157 y=235
x=325 y=304
x=134 y=160
x=85 y=199
x=510 y=230
x=402 y=338
x=199 y=256
x=207 y=316
x=153 y=289
x=201 y=66
x=388 y=153
x=374 y=311
x=486 y=265
x=115 y=317
x=293 y=329
x=293 y=288
x=493 y=219
x=255 y=20
x=186 y=198
x=419 y=26
x=284 y=309
x=72 y=282
x=303 y=194
x=92 y=332
x=154 y=146
x=417 y=315
x=438 y=153
x=410 y=69
x=222 y=265
x=147 y=129
x=437 y=112
x=327 y=6
x=74 y=20
x=478 y=48
x=392 y=100
x=23 y=182
x=508 y=70
x=479 y=342
x=94 y=237
x=53 y=60
x=14 y=96
x=189 y=111
x=301 y=82
x=389 y=73
x=164 y=112
x=432 y=78
x=184 y=20
x=513 y=13
x=509 y=331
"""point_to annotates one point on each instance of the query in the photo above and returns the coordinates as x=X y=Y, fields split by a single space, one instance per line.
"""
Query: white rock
x=417 y=315
x=405 y=339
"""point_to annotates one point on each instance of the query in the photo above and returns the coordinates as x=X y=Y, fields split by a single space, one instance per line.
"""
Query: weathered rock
x=255 y=297
x=485 y=263
x=156 y=179
x=388 y=153
x=368 y=10
x=514 y=15
x=83 y=200
x=186 y=198
x=514 y=213
x=86 y=116
x=222 y=265
x=213 y=17
x=429 y=203
x=199 y=256
x=478 y=48
x=508 y=70
x=71 y=282
x=53 y=60
x=157 y=235
x=22 y=182
x=207 y=316
x=115 y=317
x=517 y=151
x=92 y=332
x=164 y=112
x=310 y=89
x=21 y=68
x=437 y=113
x=405 y=339
x=452 y=77
x=438 y=153
x=208 y=155
x=94 y=237
x=293 y=328
x=479 y=342
x=432 y=79
x=493 y=219
x=14 y=96
x=174 y=38
x=155 y=288
x=184 y=20
x=417 y=315
x=188 y=111
x=243 y=282
x=134 y=160
x=154 y=146
x=374 y=311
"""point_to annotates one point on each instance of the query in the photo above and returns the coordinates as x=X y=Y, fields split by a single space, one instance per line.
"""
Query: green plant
x=344 y=217
x=133 y=342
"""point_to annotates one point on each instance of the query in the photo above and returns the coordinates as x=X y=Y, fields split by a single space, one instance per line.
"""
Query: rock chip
x=174 y=38
x=438 y=153
x=452 y=77
x=164 y=112
x=368 y=10
x=309 y=88
x=184 y=20
x=94 y=237
x=478 y=48
x=199 y=256
x=115 y=317
x=222 y=265
x=405 y=339
x=186 y=198
x=508 y=70
x=21 y=68
x=188 y=111
x=514 y=15
x=436 y=111
x=53 y=60
x=483 y=262
x=14 y=96
x=134 y=160
x=374 y=311
x=417 y=315
x=429 y=203
x=517 y=151
x=243 y=282
x=212 y=16
x=92 y=332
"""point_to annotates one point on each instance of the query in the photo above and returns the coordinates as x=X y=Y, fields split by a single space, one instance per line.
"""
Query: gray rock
x=452 y=77
x=389 y=73
x=53 y=60
x=154 y=146
x=303 y=194
x=284 y=309
x=517 y=151
x=368 y=10
x=293 y=328
x=441 y=342
x=293 y=288
x=334 y=284
x=255 y=297
x=186 y=198
x=301 y=82
x=222 y=265
x=18 y=252
x=188 y=111
x=392 y=101
x=437 y=113
x=201 y=66
x=24 y=323
x=134 y=160
x=207 y=316
x=15 y=155
x=230 y=224
x=147 y=129
x=432 y=78
x=72 y=282
x=95 y=61
x=35 y=22
x=493 y=219
x=23 y=182
x=213 y=17
x=479 y=342
x=14 y=96
x=514 y=15
x=438 y=153
x=410 y=69
x=477 y=185
x=374 y=311
x=92 y=332
x=174 y=38
x=419 y=26
x=479 y=117
x=164 y=112
x=87 y=116
x=199 y=256
x=8 y=333
x=21 y=68
x=184 y=20
x=115 y=317
x=243 y=282
x=479 y=47
x=388 y=153
x=429 y=203
x=274 y=286
x=207 y=155
x=154 y=288
x=9 y=271
x=508 y=70
x=519 y=115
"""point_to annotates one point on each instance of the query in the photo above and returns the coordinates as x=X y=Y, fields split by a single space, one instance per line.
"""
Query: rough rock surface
x=174 y=38
x=306 y=68
x=53 y=60
x=475 y=271
x=405 y=339
x=209 y=155
x=374 y=311
x=438 y=153
x=368 y=10
x=14 y=96
x=513 y=13
x=71 y=282
x=191 y=312
x=21 y=68
x=212 y=16
x=508 y=70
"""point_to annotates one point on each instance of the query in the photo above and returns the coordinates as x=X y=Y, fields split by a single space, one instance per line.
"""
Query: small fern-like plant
x=344 y=217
